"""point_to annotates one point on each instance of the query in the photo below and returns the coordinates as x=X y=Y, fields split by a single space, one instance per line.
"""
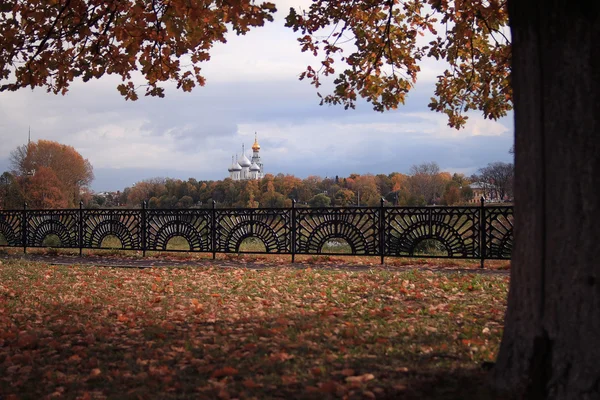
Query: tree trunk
x=551 y=343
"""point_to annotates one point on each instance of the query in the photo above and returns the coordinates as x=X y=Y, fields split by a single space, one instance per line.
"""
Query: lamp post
x=395 y=193
x=28 y=174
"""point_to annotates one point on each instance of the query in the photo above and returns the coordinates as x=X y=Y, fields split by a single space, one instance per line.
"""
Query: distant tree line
x=424 y=185
x=47 y=174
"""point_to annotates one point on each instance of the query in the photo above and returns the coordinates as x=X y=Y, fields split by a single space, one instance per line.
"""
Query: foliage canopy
x=50 y=174
x=379 y=43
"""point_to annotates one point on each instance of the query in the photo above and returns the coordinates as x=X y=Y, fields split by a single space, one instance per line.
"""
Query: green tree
x=466 y=193
x=11 y=195
x=185 y=202
x=320 y=200
x=273 y=200
x=153 y=202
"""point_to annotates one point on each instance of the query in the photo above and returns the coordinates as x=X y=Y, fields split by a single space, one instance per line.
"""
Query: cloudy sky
x=252 y=86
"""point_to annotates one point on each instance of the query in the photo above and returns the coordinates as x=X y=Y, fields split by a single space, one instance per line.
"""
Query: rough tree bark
x=551 y=343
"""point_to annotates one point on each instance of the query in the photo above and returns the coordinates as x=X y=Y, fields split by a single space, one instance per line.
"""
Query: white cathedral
x=243 y=169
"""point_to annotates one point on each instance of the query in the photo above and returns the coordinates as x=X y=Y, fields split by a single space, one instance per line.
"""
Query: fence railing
x=471 y=232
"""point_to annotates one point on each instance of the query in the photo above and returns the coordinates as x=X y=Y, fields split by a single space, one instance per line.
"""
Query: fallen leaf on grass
x=329 y=387
x=282 y=356
x=27 y=340
x=225 y=371
x=360 y=378
x=289 y=379
x=250 y=384
x=347 y=372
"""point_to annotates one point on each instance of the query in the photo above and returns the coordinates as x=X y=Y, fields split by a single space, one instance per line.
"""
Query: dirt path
x=155 y=262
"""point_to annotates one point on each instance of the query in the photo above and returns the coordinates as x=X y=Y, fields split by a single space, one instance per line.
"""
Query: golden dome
x=255 y=146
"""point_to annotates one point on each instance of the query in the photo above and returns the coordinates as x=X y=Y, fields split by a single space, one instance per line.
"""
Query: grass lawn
x=251 y=244
x=86 y=333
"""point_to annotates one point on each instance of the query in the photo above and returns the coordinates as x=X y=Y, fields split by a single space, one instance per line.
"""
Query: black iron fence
x=471 y=232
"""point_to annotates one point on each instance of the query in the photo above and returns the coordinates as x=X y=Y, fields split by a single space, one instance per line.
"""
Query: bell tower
x=256 y=156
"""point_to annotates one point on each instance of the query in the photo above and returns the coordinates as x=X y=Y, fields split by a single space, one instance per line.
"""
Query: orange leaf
x=289 y=379
x=250 y=384
x=328 y=387
x=225 y=371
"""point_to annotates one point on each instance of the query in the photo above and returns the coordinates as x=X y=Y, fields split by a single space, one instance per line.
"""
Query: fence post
x=430 y=218
x=293 y=244
x=144 y=228
x=482 y=231
x=24 y=228
x=80 y=228
x=382 y=230
x=213 y=230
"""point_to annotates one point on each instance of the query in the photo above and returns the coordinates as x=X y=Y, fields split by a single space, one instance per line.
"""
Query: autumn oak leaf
x=225 y=371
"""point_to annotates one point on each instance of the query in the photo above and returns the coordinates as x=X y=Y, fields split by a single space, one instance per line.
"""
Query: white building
x=244 y=169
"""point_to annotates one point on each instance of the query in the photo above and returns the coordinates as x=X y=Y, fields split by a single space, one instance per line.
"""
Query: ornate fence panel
x=498 y=233
x=269 y=225
x=477 y=232
x=358 y=227
x=452 y=232
x=11 y=228
x=192 y=225
x=45 y=227
x=110 y=229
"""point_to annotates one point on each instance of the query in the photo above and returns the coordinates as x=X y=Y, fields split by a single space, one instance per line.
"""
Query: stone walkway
x=155 y=262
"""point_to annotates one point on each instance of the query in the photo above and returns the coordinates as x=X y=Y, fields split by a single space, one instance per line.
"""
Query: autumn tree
x=399 y=181
x=185 y=202
x=551 y=328
x=426 y=182
x=384 y=184
x=286 y=184
x=248 y=195
x=365 y=187
x=344 y=197
x=452 y=195
x=145 y=190
x=51 y=43
x=68 y=170
x=457 y=190
x=43 y=190
x=309 y=188
x=400 y=195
